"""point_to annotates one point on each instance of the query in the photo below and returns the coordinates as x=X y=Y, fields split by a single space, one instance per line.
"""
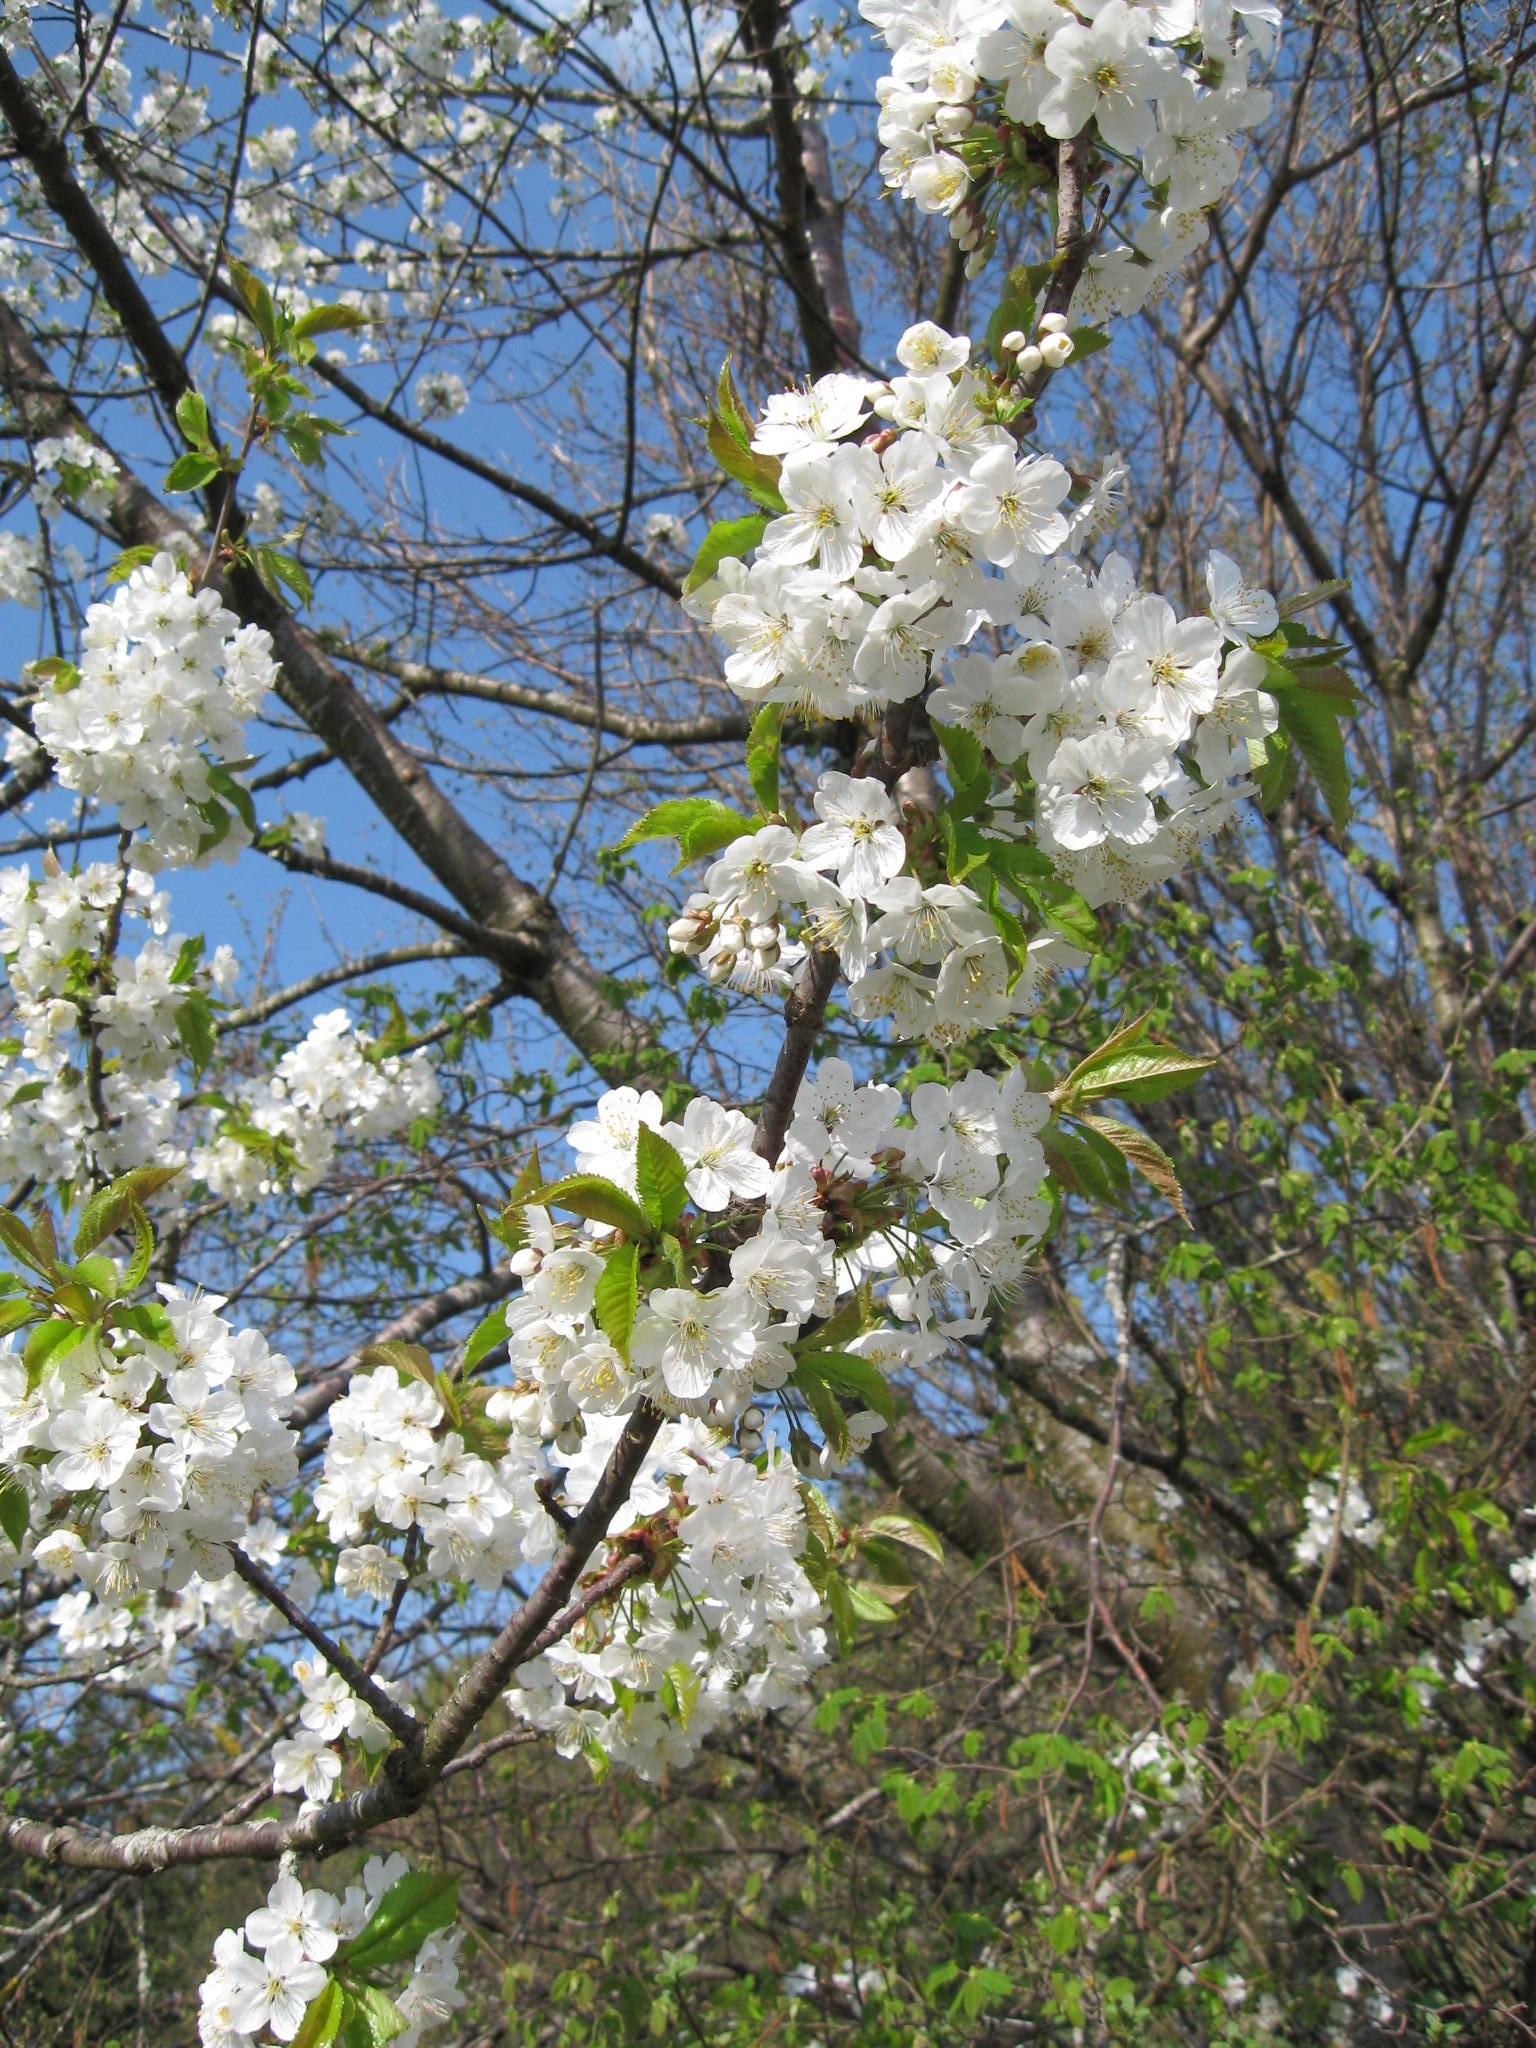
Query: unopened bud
x=953 y=122
x=763 y=934
x=753 y=1417
x=1056 y=349
x=1053 y=323
x=732 y=937
x=526 y=1262
x=720 y=967
x=749 y=1442
x=885 y=406
x=765 y=956
x=1014 y=340
x=1030 y=359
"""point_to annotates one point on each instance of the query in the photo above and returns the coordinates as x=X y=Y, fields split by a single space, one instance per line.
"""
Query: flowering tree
x=612 y=1505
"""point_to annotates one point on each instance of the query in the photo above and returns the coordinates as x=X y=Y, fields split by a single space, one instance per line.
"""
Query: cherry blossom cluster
x=931 y=556
x=307 y=1762
x=70 y=469
x=141 y=1450
x=396 y=1477
x=980 y=90
x=735 y=1627
x=266 y=1972
x=167 y=677
x=282 y=1130
x=89 y=1082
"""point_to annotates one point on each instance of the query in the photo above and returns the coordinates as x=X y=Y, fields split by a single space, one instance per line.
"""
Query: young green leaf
x=763 y=756
x=1146 y=1155
x=15 y=1511
x=727 y=540
x=661 y=1178
x=617 y=1298
x=415 y=1906
x=589 y=1195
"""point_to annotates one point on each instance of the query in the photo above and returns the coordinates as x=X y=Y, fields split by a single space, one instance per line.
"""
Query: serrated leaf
x=699 y=825
x=908 y=1530
x=1081 y=1168
x=1147 y=1074
x=322 y=2018
x=375 y=2017
x=111 y=1207
x=1146 y=1155
x=143 y=1250
x=589 y=1195
x=618 y=1297
x=282 y=570
x=732 y=408
x=415 y=1906
x=827 y=1409
x=757 y=474
x=48 y=1343
x=727 y=540
x=194 y=1027
x=847 y=1370
x=661 y=1178
x=1312 y=724
x=763 y=756
x=131 y=559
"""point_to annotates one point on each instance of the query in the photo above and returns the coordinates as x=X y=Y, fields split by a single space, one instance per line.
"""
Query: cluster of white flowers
x=69 y=467
x=266 y=1972
x=1353 y=1516
x=735 y=1627
x=392 y=1468
x=167 y=678
x=1162 y=88
x=71 y=1005
x=899 y=558
x=282 y=1130
x=140 y=1453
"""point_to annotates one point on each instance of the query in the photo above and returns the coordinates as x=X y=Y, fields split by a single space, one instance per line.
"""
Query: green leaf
x=322 y=2018
x=1146 y=1155
x=826 y=1408
x=763 y=756
x=867 y=1603
x=235 y=794
x=131 y=559
x=1066 y=912
x=589 y=1195
x=375 y=2018
x=969 y=775
x=618 y=1296
x=845 y=1369
x=15 y=1511
x=415 y=1906
x=485 y=1336
x=282 y=572
x=1086 y=341
x=758 y=475
x=192 y=418
x=112 y=1207
x=734 y=416
x=726 y=540
x=1083 y=1169
x=191 y=471
x=328 y=320
x=21 y=1244
x=48 y=1343
x=1312 y=725
x=699 y=825
x=661 y=1178
x=1016 y=311
x=143 y=1250
x=1277 y=772
x=258 y=300
x=194 y=1027
x=907 y=1529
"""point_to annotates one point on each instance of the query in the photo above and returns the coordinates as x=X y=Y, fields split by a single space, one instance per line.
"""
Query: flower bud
x=753 y=1417
x=526 y=1262
x=763 y=935
x=1014 y=340
x=953 y=122
x=765 y=956
x=1053 y=323
x=732 y=937
x=721 y=967
x=1029 y=359
x=749 y=1442
x=1057 y=349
